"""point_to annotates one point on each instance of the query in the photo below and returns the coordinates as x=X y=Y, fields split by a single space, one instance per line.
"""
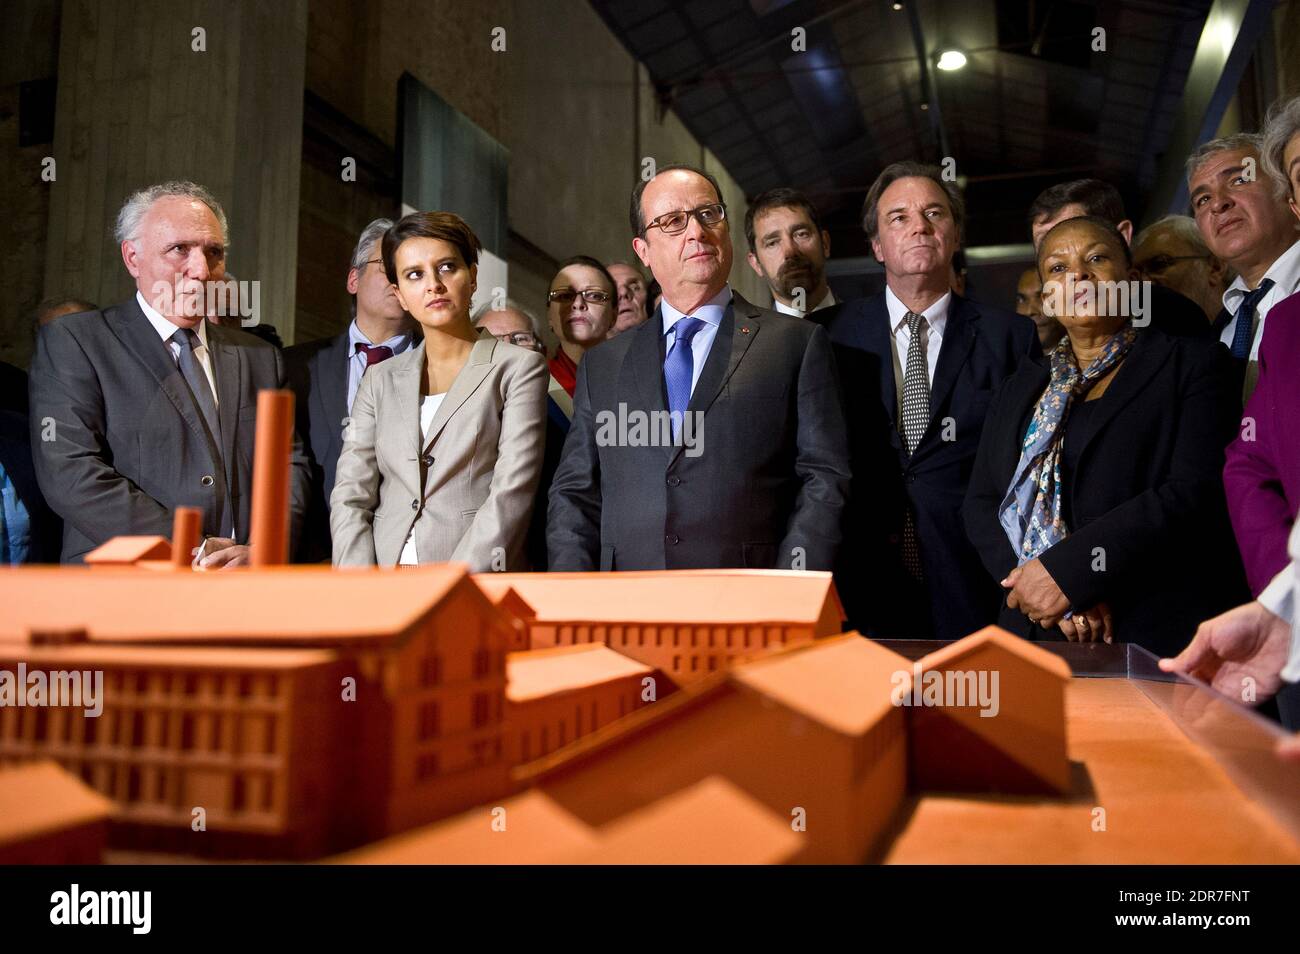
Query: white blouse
x=428 y=408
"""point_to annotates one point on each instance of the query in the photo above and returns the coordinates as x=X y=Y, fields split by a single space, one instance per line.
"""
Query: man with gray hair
x=511 y=323
x=326 y=373
x=1248 y=226
x=146 y=406
x=918 y=364
x=1172 y=254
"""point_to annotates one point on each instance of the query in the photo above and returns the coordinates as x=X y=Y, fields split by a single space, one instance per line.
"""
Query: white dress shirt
x=711 y=313
x=936 y=319
x=1279 y=597
x=166 y=329
x=791 y=310
x=357 y=359
x=1285 y=273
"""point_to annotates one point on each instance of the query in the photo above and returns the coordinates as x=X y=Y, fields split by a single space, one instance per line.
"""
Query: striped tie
x=914 y=419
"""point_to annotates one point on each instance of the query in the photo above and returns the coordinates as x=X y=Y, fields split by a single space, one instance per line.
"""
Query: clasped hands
x=1031 y=589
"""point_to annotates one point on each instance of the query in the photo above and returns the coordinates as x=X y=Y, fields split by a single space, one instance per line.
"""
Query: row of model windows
x=134 y=684
x=485 y=663
x=729 y=637
x=482 y=712
x=165 y=785
x=183 y=731
x=561 y=736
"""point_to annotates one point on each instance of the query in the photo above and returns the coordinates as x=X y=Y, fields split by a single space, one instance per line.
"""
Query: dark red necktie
x=375 y=353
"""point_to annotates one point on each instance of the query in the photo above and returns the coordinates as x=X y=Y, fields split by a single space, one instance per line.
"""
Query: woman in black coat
x=1096 y=498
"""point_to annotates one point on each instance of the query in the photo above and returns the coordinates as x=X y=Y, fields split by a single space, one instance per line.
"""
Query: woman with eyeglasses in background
x=581 y=307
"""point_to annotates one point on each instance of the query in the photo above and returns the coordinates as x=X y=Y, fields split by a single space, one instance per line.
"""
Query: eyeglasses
x=1162 y=263
x=565 y=296
x=524 y=339
x=674 y=223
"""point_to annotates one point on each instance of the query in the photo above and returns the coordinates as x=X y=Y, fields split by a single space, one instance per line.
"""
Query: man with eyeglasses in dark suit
x=711 y=435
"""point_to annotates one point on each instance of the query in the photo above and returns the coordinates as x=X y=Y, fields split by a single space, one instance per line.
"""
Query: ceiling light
x=951 y=60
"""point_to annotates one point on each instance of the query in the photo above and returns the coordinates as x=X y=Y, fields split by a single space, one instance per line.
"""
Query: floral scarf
x=1031 y=511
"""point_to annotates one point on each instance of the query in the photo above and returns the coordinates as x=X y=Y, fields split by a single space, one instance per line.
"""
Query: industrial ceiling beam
x=1232 y=29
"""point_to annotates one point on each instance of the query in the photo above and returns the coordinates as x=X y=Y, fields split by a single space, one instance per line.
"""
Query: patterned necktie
x=679 y=367
x=375 y=353
x=914 y=419
x=916 y=385
x=188 y=340
x=1245 y=330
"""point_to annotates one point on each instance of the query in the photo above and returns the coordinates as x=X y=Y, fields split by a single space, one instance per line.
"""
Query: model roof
x=91 y=655
x=993 y=636
x=41 y=797
x=547 y=672
x=283 y=604
x=843 y=682
x=536 y=831
x=503 y=594
x=130 y=549
x=677 y=596
x=710 y=822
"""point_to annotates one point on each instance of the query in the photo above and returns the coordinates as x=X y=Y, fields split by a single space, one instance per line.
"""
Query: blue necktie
x=1244 y=332
x=679 y=367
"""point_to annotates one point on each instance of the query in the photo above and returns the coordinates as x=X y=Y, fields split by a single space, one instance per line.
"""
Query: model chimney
x=186 y=524
x=269 y=541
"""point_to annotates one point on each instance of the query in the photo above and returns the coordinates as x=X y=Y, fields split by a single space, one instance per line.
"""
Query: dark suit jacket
x=13 y=388
x=768 y=488
x=318 y=374
x=1262 y=471
x=1147 y=495
x=1178 y=315
x=16 y=458
x=130 y=444
x=981 y=347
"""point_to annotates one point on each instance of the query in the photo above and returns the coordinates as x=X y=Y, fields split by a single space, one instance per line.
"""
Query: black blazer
x=767 y=489
x=13 y=388
x=318 y=375
x=981 y=347
x=1178 y=315
x=1147 y=494
x=130 y=445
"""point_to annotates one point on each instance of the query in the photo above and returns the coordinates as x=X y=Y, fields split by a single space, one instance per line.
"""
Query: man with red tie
x=326 y=373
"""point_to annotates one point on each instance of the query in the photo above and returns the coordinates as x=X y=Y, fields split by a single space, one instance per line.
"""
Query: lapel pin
x=744 y=329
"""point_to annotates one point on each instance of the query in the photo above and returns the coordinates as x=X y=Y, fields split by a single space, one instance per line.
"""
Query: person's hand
x=1033 y=591
x=222 y=552
x=1089 y=626
x=1288 y=750
x=1244 y=643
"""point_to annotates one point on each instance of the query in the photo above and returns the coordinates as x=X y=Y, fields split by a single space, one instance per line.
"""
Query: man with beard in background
x=788 y=250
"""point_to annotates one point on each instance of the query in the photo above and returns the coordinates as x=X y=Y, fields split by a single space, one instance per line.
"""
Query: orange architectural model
x=292 y=712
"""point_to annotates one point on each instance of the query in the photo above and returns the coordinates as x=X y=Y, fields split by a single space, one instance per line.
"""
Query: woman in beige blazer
x=442 y=454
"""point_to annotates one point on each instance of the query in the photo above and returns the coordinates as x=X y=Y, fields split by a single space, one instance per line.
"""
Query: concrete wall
x=137 y=106
x=29 y=51
x=576 y=112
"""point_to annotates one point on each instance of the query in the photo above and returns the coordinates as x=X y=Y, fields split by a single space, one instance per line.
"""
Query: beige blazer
x=468 y=489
